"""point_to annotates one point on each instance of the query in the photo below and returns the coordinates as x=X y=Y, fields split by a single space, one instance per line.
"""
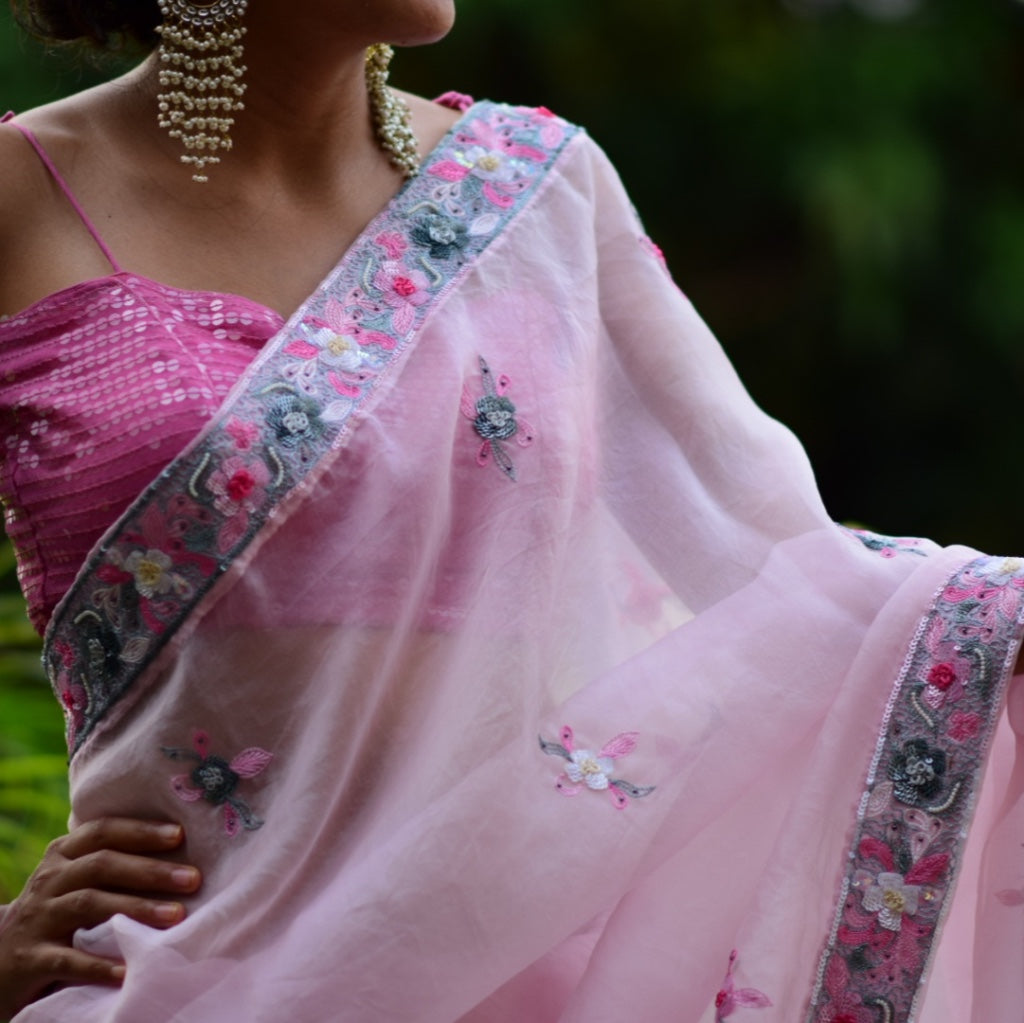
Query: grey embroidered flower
x=442 y=235
x=916 y=772
x=295 y=419
x=495 y=418
x=216 y=779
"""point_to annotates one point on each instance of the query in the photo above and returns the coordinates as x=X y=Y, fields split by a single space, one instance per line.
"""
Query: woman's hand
x=104 y=867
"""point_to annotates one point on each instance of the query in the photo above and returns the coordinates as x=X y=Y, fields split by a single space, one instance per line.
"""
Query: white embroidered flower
x=890 y=898
x=489 y=165
x=586 y=766
x=150 y=571
x=339 y=351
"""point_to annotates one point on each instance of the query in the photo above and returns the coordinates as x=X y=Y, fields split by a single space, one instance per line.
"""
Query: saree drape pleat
x=511 y=670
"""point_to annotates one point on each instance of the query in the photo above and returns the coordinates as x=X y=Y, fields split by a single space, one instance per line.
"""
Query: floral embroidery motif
x=888 y=546
x=216 y=780
x=494 y=420
x=587 y=769
x=730 y=998
x=172 y=545
x=916 y=810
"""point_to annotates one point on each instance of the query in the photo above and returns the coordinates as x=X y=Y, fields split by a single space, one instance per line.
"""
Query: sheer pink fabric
x=413 y=630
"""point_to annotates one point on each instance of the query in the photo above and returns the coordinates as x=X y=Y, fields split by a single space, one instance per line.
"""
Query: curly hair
x=97 y=24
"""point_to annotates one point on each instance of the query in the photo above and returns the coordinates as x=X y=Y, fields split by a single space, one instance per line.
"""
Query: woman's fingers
x=107 y=868
x=88 y=907
x=102 y=868
x=41 y=966
x=120 y=833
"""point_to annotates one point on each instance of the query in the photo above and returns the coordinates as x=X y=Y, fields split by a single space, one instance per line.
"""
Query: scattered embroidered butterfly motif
x=593 y=770
x=729 y=999
x=494 y=419
x=216 y=779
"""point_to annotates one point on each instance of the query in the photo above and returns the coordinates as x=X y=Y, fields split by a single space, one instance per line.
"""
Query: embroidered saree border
x=921 y=788
x=169 y=548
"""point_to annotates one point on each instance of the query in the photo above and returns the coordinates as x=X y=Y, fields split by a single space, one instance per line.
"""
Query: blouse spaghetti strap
x=30 y=137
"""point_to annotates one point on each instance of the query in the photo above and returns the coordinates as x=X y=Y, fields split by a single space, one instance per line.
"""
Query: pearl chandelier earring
x=201 y=84
x=201 y=73
x=390 y=113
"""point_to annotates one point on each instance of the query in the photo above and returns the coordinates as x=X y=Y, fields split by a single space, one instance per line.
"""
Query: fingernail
x=117 y=972
x=167 y=911
x=184 y=877
x=169 y=832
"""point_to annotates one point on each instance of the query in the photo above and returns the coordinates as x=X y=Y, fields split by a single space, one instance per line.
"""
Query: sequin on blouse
x=102 y=385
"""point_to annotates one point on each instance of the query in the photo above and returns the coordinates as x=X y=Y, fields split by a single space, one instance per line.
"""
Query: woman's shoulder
x=36 y=222
x=22 y=205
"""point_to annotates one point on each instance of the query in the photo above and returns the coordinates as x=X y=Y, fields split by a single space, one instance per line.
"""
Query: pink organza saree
x=503 y=666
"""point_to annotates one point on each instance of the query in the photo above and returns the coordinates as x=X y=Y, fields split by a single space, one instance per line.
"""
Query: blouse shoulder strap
x=58 y=178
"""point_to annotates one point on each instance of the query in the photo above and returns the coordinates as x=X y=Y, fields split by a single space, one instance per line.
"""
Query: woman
x=488 y=523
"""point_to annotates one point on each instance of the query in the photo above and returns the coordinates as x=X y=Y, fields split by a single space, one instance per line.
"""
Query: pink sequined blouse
x=101 y=385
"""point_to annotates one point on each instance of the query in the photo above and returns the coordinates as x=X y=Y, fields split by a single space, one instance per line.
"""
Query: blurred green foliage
x=33 y=760
x=841 y=195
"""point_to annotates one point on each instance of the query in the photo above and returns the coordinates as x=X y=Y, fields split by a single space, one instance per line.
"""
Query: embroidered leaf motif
x=251 y=762
x=182 y=789
x=874 y=849
x=636 y=791
x=553 y=748
x=930 y=870
x=878 y=801
x=620 y=745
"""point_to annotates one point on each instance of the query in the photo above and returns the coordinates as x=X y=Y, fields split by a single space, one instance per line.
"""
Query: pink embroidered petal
x=525 y=434
x=232 y=531
x=622 y=744
x=201 y=743
x=376 y=337
x=871 y=848
x=302 y=349
x=751 y=998
x=619 y=798
x=345 y=389
x=566 y=737
x=183 y=790
x=502 y=201
x=467 y=404
x=448 y=170
x=929 y=870
x=566 y=787
x=250 y=762
x=879 y=800
x=403 y=318
x=232 y=823
x=483 y=456
x=525 y=152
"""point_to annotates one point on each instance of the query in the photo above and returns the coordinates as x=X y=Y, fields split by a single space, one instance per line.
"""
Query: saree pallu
x=502 y=664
